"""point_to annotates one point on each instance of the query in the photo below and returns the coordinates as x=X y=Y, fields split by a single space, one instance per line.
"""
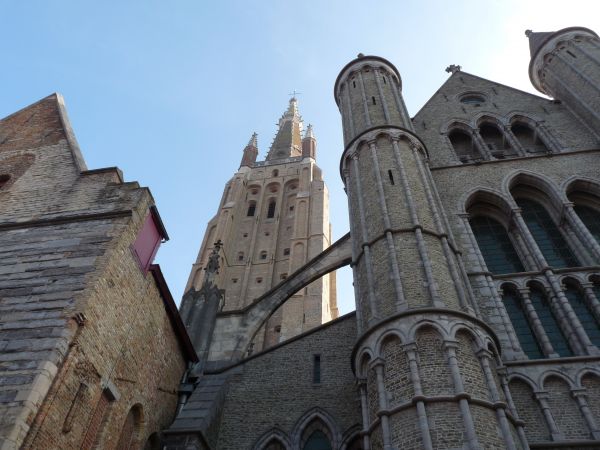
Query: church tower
x=272 y=219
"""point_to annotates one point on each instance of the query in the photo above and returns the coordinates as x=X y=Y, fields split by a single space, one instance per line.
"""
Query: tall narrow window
x=551 y=327
x=546 y=234
x=494 y=139
x=514 y=308
x=463 y=146
x=591 y=219
x=528 y=139
x=271 y=209
x=251 y=209
x=495 y=245
x=391 y=177
x=130 y=430
x=316 y=368
x=585 y=316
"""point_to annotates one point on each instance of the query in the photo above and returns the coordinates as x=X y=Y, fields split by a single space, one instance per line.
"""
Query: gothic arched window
x=251 y=209
x=585 y=316
x=317 y=441
x=498 y=252
x=591 y=219
x=463 y=146
x=518 y=318
x=271 y=209
x=528 y=138
x=551 y=327
x=274 y=444
x=548 y=237
x=494 y=139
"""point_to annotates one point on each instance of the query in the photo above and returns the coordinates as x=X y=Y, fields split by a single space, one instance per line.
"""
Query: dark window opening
x=494 y=140
x=518 y=318
x=473 y=99
x=258 y=280
x=391 y=175
x=286 y=251
x=495 y=245
x=277 y=329
x=528 y=138
x=3 y=180
x=240 y=256
x=373 y=100
x=590 y=218
x=271 y=210
x=263 y=255
x=316 y=368
x=276 y=173
x=551 y=327
x=572 y=54
x=251 y=209
x=384 y=81
x=283 y=276
x=354 y=84
x=463 y=146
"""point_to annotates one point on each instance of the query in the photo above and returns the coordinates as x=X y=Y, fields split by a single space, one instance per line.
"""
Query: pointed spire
x=309 y=143
x=288 y=140
x=250 y=151
x=536 y=40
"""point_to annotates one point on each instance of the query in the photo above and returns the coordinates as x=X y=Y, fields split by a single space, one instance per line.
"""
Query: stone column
x=419 y=398
x=536 y=325
x=463 y=403
x=377 y=365
x=580 y=398
x=362 y=389
x=542 y=399
x=481 y=146
x=581 y=230
x=593 y=301
x=547 y=138
x=484 y=356
x=513 y=141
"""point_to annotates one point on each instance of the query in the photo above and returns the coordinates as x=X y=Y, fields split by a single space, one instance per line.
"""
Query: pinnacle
x=309 y=132
x=253 y=142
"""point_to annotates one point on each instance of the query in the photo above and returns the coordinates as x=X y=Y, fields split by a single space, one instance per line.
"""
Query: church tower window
x=528 y=139
x=590 y=218
x=271 y=209
x=251 y=209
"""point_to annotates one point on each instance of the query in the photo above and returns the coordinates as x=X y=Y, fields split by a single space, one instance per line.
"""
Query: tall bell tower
x=420 y=334
x=273 y=218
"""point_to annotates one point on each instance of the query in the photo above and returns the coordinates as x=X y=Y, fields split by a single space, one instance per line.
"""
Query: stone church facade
x=475 y=248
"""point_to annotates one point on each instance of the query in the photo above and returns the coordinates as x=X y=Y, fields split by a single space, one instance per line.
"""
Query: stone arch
x=414 y=329
x=564 y=408
x=536 y=187
x=363 y=359
x=132 y=429
x=352 y=439
x=397 y=375
x=235 y=330
x=274 y=434
x=388 y=334
x=458 y=327
x=528 y=409
x=316 y=418
x=470 y=367
x=291 y=185
x=554 y=373
x=456 y=124
x=493 y=199
x=489 y=117
x=432 y=361
x=589 y=379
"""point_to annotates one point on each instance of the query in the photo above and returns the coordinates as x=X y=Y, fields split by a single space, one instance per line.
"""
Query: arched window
x=494 y=139
x=274 y=444
x=495 y=245
x=591 y=219
x=275 y=173
x=251 y=209
x=585 y=316
x=317 y=441
x=518 y=318
x=240 y=256
x=528 y=138
x=551 y=327
x=316 y=436
x=546 y=234
x=271 y=209
x=131 y=429
x=463 y=146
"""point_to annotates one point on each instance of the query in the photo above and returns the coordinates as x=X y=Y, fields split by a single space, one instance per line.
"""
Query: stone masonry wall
x=275 y=389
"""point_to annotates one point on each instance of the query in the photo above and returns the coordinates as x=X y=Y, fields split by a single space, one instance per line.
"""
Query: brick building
x=475 y=248
x=86 y=320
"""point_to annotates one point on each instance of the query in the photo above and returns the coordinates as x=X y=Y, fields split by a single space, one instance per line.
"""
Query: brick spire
x=288 y=141
x=250 y=152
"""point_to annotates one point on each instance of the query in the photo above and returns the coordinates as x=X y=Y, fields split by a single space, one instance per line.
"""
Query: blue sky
x=170 y=92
